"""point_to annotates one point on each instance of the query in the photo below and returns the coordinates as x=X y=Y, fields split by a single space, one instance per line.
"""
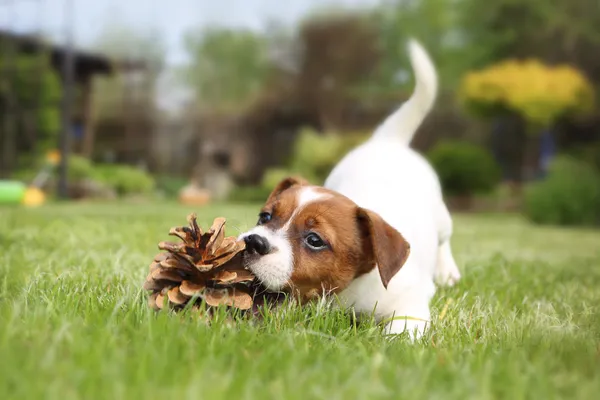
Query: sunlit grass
x=523 y=323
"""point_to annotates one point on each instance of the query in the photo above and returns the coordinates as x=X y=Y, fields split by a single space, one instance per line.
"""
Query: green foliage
x=588 y=153
x=464 y=168
x=34 y=85
x=80 y=168
x=126 y=180
x=228 y=67
x=273 y=176
x=249 y=194
x=432 y=22
x=260 y=193
x=492 y=31
x=316 y=154
x=170 y=185
x=570 y=195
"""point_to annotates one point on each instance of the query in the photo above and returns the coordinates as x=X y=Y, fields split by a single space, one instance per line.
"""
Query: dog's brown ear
x=387 y=247
x=285 y=185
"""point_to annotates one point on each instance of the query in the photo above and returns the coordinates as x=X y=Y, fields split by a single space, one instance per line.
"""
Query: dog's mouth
x=263 y=296
x=249 y=259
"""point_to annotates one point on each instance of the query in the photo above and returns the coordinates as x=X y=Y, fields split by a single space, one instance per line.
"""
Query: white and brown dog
x=351 y=237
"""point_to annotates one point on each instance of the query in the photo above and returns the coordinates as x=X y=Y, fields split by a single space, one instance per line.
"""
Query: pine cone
x=204 y=267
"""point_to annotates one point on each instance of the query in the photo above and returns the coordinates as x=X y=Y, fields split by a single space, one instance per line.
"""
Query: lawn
x=523 y=323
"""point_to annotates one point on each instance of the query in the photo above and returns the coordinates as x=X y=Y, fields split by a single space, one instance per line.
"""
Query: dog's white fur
x=388 y=177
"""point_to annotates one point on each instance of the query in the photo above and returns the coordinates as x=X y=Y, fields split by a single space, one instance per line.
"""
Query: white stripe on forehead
x=309 y=195
x=306 y=196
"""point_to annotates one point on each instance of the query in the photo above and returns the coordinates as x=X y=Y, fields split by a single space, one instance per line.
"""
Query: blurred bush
x=170 y=185
x=589 y=153
x=570 y=195
x=40 y=96
x=539 y=93
x=249 y=194
x=315 y=154
x=273 y=176
x=124 y=179
x=80 y=168
x=464 y=169
x=313 y=157
x=83 y=174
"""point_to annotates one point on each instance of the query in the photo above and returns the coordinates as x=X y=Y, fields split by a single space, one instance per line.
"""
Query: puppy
x=377 y=234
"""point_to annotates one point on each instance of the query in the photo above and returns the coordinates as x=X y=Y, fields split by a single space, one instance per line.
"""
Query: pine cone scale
x=176 y=297
x=217 y=235
x=191 y=289
x=164 y=274
x=160 y=301
x=196 y=231
x=172 y=247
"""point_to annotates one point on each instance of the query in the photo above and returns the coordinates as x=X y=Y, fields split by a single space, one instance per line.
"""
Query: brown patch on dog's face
x=327 y=246
x=332 y=240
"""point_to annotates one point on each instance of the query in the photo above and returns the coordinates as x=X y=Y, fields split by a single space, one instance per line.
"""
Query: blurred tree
x=539 y=93
x=31 y=92
x=554 y=31
x=435 y=24
x=338 y=53
x=465 y=34
x=228 y=67
x=535 y=93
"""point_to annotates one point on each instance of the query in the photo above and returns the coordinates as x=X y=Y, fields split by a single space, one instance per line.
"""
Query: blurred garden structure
x=519 y=82
x=32 y=86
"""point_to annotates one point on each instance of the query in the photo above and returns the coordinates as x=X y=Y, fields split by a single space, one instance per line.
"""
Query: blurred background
x=202 y=101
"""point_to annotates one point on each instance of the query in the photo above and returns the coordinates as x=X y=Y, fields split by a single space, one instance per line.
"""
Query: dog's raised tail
x=405 y=121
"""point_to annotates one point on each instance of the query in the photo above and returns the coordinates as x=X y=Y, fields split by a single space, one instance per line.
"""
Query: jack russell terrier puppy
x=377 y=234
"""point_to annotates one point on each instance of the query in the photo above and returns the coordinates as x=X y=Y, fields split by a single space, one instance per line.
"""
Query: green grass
x=523 y=323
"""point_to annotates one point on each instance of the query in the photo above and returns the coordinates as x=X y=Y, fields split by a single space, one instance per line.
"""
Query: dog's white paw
x=415 y=328
x=446 y=272
x=448 y=276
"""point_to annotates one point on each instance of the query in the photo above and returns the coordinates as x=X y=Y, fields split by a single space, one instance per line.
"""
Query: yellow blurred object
x=34 y=197
x=540 y=93
x=53 y=157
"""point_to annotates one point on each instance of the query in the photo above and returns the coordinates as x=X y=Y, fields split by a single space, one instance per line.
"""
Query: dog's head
x=310 y=240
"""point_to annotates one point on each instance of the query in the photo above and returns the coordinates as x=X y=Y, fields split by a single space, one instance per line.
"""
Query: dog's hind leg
x=446 y=271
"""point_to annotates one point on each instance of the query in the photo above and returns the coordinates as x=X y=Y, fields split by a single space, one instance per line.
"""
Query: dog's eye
x=313 y=241
x=263 y=218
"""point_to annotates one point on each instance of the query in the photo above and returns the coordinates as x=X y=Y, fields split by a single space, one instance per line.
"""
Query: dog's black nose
x=257 y=243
